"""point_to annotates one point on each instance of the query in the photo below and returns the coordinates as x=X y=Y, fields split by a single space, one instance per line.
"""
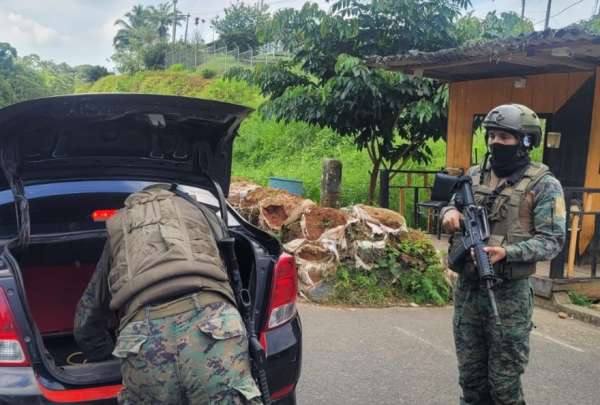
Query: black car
x=67 y=163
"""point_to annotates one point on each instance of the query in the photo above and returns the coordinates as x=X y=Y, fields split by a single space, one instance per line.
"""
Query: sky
x=81 y=31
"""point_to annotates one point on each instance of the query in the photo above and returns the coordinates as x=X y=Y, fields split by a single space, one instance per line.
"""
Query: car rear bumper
x=284 y=357
x=19 y=385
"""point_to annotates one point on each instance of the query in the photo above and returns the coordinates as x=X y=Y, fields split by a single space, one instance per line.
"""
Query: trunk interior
x=55 y=276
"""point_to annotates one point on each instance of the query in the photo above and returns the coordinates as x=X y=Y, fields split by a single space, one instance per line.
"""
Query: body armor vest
x=162 y=246
x=510 y=215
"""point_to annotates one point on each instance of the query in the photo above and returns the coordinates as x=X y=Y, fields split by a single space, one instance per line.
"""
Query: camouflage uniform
x=491 y=359
x=189 y=349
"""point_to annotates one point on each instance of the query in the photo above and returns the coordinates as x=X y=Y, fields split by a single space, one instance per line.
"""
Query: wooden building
x=553 y=72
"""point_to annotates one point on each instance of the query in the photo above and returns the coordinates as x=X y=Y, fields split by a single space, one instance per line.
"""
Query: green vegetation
x=409 y=271
x=580 y=299
x=208 y=73
x=27 y=77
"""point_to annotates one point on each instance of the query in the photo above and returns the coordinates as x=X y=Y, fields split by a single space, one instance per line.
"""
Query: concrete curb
x=560 y=302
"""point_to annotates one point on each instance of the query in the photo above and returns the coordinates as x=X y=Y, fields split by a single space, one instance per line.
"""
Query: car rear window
x=68 y=207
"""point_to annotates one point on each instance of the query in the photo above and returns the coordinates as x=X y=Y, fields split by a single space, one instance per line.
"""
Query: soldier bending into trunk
x=181 y=339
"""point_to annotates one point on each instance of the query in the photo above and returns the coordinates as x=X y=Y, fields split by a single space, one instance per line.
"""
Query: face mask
x=505 y=159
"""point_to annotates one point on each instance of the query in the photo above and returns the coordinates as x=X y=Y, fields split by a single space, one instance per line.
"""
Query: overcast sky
x=81 y=31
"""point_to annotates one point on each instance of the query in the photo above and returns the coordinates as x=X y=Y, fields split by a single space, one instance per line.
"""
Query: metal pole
x=187 y=20
x=522 y=9
x=547 y=14
x=416 y=207
x=174 y=19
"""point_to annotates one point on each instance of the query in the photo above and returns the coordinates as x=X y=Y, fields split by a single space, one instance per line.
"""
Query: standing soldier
x=181 y=339
x=526 y=211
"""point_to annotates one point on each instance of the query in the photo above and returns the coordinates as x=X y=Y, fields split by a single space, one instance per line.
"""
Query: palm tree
x=138 y=17
x=163 y=16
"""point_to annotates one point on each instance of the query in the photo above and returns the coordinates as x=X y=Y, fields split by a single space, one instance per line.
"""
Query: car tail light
x=102 y=215
x=282 y=303
x=282 y=392
x=11 y=345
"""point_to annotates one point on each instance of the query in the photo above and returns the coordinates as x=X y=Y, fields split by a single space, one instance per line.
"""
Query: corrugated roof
x=568 y=49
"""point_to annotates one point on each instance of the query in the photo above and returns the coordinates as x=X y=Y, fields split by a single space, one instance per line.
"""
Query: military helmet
x=518 y=120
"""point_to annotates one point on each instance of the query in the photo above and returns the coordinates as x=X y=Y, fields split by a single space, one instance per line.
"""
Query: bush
x=177 y=67
x=580 y=299
x=208 y=73
x=409 y=271
x=239 y=73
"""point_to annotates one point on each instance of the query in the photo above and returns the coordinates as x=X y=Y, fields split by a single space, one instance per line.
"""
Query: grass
x=409 y=271
x=580 y=299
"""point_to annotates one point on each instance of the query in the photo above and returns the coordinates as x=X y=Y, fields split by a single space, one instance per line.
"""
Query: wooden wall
x=543 y=93
x=592 y=178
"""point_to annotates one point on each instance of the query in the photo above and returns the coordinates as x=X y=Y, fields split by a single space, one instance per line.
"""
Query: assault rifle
x=476 y=230
x=242 y=297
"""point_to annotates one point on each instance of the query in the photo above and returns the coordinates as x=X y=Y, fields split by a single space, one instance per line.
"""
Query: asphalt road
x=406 y=356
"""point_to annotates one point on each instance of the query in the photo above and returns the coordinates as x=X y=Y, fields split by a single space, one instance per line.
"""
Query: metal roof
x=551 y=51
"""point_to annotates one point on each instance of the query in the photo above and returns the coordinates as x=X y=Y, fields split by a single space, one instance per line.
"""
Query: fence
x=415 y=181
x=194 y=56
x=578 y=202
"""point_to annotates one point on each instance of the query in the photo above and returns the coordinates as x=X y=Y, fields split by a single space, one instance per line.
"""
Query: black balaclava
x=507 y=159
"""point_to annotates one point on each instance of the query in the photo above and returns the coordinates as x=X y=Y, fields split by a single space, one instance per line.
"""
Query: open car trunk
x=55 y=275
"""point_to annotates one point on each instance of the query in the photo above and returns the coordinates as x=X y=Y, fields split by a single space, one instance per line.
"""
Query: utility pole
x=174 y=19
x=522 y=9
x=595 y=10
x=547 y=15
x=187 y=20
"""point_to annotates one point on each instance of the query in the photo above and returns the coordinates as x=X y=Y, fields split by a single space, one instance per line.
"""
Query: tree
x=241 y=25
x=141 y=41
x=91 y=73
x=8 y=54
x=129 y=27
x=471 y=30
x=163 y=18
x=591 y=24
x=388 y=114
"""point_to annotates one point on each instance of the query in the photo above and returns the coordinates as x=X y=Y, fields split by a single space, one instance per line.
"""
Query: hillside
x=264 y=148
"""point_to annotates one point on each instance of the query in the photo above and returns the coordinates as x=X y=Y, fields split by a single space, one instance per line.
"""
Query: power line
x=561 y=11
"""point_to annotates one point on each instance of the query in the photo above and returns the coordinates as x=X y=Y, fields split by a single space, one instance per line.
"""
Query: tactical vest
x=162 y=247
x=509 y=215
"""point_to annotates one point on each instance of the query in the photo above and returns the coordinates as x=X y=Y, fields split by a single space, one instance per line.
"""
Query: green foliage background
x=264 y=148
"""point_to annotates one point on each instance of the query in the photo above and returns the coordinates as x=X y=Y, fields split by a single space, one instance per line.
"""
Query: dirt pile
x=320 y=238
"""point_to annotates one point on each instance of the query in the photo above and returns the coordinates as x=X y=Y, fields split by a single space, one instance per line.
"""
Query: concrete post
x=331 y=183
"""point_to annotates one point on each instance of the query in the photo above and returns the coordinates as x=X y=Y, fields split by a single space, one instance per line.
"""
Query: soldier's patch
x=560 y=210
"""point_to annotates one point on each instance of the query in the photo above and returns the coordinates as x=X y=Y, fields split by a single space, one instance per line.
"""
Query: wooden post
x=573 y=241
x=331 y=183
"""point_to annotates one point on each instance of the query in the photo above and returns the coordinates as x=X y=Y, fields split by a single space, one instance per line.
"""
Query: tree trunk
x=373 y=181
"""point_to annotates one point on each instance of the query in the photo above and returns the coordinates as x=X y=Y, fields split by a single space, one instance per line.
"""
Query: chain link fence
x=200 y=56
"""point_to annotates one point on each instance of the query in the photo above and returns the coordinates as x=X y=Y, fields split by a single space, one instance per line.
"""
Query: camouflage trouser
x=196 y=357
x=491 y=359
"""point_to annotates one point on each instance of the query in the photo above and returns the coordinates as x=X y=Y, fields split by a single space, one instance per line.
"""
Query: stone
x=563 y=315
x=321 y=292
x=414 y=305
